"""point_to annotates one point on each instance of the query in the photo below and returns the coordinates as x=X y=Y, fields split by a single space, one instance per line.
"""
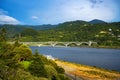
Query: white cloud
x=5 y=19
x=83 y=10
x=35 y=17
x=69 y=10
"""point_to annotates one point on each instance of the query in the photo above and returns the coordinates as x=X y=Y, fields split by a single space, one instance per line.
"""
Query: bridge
x=51 y=43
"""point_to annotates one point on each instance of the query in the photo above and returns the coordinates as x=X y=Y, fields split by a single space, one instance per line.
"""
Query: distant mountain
x=36 y=27
x=81 y=31
x=41 y=27
x=12 y=29
x=72 y=24
x=97 y=21
x=68 y=31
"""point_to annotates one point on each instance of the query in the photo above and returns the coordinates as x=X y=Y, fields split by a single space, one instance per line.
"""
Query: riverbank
x=87 y=72
x=109 y=47
x=106 y=47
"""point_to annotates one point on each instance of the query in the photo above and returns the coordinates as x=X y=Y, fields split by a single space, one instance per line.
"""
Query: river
x=99 y=57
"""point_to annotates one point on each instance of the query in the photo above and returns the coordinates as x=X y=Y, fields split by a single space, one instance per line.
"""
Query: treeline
x=106 y=34
x=17 y=62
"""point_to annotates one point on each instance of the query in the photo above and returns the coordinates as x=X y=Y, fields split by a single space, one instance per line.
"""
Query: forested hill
x=96 y=21
x=36 y=27
x=103 y=33
x=12 y=30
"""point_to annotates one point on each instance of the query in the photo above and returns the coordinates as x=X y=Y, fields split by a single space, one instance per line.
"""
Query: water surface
x=104 y=58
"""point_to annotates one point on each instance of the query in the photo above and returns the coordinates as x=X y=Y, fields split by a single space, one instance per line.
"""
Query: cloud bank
x=5 y=19
x=69 y=10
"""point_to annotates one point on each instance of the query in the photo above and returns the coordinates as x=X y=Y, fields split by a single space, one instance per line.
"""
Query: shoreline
x=85 y=72
x=99 y=47
x=78 y=64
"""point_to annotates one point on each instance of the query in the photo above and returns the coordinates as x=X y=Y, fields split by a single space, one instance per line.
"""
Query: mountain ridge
x=97 y=21
x=68 y=31
x=47 y=26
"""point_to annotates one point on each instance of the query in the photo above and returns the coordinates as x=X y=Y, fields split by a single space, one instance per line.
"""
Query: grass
x=101 y=74
x=92 y=67
x=88 y=72
x=25 y=64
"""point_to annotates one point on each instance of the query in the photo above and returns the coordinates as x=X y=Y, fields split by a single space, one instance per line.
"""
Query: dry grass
x=88 y=72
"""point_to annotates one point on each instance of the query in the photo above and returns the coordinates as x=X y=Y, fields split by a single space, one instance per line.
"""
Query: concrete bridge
x=51 y=43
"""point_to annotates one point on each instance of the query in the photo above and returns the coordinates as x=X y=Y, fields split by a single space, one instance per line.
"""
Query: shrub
x=51 y=72
x=60 y=70
x=63 y=77
x=37 y=70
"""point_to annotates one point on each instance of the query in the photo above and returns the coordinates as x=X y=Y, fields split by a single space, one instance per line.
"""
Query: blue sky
x=37 y=12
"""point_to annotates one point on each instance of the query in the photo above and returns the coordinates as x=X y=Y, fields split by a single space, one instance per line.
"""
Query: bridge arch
x=90 y=43
x=94 y=44
x=72 y=44
x=59 y=44
x=84 y=44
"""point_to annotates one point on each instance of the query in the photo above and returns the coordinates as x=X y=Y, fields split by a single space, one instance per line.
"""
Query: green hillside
x=17 y=62
x=105 y=34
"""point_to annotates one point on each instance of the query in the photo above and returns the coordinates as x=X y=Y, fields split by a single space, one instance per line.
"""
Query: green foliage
x=60 y=70
x=39 y=59
x=29 y=32
x=63 y=77
x=52 y=63
x=3 y=69
x=25 y=64
x=18 y=63
x=3 y=35
x=22 y=53
x=68 y=31
x=51 y=72
x=77 y=31
x=5 y=49
x=37 y=66
x=23 y=75
x=37 y=69
x=16 y=44
x=12 y=30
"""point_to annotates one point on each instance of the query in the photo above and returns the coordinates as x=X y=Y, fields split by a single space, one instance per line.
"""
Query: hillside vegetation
x=105 y=34
x=17 y=62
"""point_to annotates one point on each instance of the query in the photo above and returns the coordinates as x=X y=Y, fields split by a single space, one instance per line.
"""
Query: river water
x=103 y=58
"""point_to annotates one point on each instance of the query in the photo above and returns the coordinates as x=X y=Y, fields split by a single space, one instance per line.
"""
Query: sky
x=37 y=12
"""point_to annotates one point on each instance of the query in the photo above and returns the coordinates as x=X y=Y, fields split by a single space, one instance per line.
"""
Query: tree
x=60 y=70
x=22 y=53
x=37 y=67
x=3 y=34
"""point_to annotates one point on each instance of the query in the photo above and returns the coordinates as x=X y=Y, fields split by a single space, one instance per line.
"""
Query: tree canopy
x=17 y=62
